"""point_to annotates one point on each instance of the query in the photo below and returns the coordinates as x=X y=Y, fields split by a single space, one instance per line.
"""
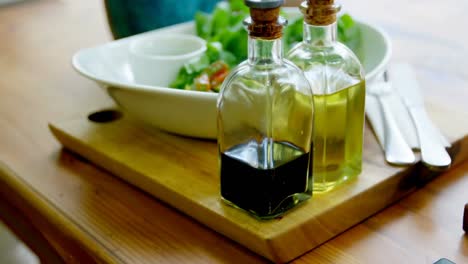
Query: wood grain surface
x=87 y=214
x=183 y=172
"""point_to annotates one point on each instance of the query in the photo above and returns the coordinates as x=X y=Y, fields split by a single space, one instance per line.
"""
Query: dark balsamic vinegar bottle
x=265 y=123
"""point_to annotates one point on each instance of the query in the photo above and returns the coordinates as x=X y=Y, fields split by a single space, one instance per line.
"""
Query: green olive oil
x=338 y=138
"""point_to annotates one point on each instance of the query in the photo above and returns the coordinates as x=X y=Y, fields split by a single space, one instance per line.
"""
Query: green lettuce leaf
x=227 y=39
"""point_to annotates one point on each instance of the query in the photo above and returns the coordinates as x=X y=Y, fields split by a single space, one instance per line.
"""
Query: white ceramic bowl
x=183 y=112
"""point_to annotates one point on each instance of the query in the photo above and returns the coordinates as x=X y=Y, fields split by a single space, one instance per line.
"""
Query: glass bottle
x=337 y=80
x=265 y=117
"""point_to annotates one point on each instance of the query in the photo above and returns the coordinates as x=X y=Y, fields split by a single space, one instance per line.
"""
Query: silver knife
x=433 y=152
x=396 y=150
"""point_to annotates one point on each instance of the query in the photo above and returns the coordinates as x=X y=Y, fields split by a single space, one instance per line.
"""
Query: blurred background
x=129 y=17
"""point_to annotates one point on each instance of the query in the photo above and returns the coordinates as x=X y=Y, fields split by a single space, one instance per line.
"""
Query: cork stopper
x=265 y=23
x=319 y=12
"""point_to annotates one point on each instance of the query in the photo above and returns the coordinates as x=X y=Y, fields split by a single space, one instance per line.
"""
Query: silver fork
x=397 y=151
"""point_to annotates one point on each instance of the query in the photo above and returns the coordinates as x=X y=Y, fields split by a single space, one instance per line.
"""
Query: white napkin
x=399 y=110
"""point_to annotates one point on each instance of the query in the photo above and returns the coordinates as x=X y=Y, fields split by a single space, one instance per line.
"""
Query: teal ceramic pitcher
x=130 y=17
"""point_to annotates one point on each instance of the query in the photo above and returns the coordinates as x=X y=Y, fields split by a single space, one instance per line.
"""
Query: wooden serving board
x=183 y=172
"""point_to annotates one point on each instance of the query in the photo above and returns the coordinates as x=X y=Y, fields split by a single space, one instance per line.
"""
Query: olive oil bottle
x=337 y=80
x=265 y=119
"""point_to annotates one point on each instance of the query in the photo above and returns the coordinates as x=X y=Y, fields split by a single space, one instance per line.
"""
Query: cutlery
x=465 y=218
x=397 y=150
x=433 y=152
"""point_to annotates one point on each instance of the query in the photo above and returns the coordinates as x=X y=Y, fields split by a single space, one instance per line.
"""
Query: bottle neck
x=320 y=35
x=265 y=51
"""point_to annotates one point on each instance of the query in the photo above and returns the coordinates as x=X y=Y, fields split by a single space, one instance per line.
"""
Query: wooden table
x=68 y=209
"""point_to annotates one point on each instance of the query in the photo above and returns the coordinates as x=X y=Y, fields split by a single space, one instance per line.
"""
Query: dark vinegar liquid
x=265 y=179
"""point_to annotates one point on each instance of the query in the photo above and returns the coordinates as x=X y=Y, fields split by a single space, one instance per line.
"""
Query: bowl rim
x=379 y=68
x=199 y=42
